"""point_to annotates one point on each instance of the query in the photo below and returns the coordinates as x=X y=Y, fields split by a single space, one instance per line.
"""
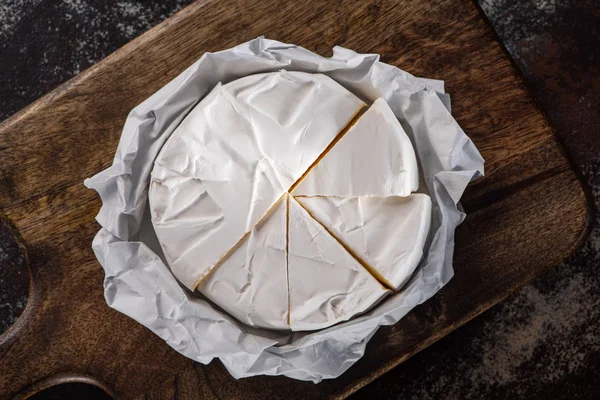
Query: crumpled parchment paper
x=138 y=282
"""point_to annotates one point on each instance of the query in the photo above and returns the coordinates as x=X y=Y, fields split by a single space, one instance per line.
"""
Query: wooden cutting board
x=526 y=216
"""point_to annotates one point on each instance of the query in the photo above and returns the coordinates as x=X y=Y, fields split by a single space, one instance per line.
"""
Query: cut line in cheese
x=233 y=157
x=328 y=149
x=327 y=285
x=388 y=234
x=374 y=272
x=287 y=251
x=252 y=283
x=235 y=247
x=374 y=158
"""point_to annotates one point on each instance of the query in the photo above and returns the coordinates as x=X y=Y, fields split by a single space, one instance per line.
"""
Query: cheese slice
x=235 y=154
x=386 y=233
x=251 y=283
x=326 y=284
x=374 y=158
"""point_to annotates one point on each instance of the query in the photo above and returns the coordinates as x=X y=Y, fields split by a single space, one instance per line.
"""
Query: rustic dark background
x=542 y=341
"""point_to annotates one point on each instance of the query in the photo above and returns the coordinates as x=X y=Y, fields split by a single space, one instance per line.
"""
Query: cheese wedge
x=386 y=233
x=374 y=158
x=251 y=283
x=326 y=284
x=236 y=153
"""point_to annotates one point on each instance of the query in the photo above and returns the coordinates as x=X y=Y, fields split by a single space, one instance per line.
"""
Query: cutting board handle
x=18 y=266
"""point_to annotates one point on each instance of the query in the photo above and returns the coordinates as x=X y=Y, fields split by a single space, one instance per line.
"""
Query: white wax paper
x=138 y=282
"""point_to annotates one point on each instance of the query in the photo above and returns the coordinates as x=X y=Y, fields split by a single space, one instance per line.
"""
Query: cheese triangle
x=387 y=233
x=374 y=158
x=326 y=284
x=251 y=283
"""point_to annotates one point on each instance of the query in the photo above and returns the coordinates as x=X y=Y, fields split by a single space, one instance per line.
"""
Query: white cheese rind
x=234 y=156
x=298 y=114
x=327 y=285
x=374 y=158
x=251 y=283
x=389 y=233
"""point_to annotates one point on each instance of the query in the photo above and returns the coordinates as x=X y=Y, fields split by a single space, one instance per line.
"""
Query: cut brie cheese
x=236 y=153
x=374 y=158
x=327 y=285
x=251 y=284
x=228 y=227
x=386 y=233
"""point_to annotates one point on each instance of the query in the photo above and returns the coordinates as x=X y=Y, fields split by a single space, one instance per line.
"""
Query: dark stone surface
x=544 y=340
x=44 y=43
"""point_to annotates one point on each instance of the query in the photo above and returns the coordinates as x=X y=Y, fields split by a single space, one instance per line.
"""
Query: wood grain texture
x=527 y=215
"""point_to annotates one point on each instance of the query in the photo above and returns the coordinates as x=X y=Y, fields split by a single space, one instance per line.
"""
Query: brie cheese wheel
x=374 y=158
x=234 y=156
x=326 y=284
x=387 y=233
x=251 y=284
x=350 y=230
